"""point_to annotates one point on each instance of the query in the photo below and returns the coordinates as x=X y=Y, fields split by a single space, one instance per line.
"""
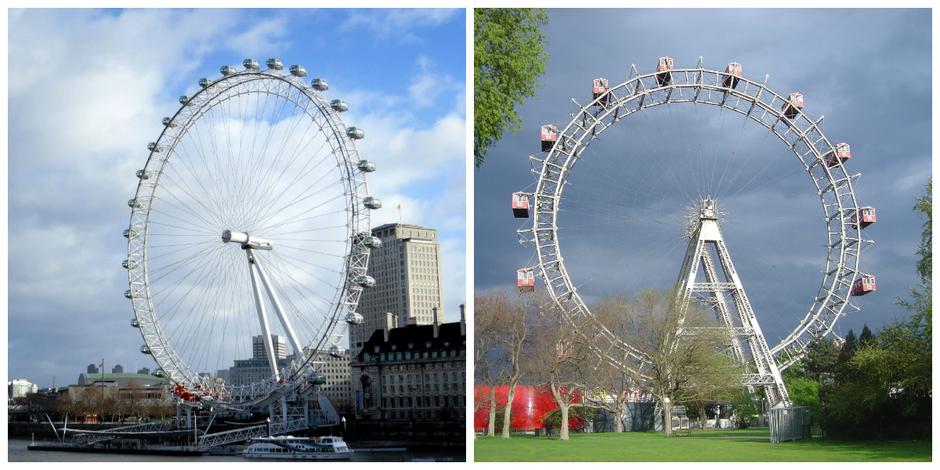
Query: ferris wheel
x=253 y=199
x=825 y=163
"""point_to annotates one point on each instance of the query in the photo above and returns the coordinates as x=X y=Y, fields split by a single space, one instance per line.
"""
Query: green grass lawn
x=722 y=446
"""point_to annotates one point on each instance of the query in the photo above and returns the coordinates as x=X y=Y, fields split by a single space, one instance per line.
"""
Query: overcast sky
x=868 y=72
x=89 y=90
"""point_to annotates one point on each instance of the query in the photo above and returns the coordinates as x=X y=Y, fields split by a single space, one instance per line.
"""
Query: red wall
x=530 y=405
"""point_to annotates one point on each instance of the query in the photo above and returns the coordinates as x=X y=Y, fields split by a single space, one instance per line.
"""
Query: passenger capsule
x=204 y=82
x=128 y=294
x=339 y=106
x=839 y=155
x=184 y=100
x=733 y=74
x=355 y=133
x=227 y=70
x=129 y=233
x=793 y=105
x=525 y=280
x=251 y=64
x=337 y=351
x=134 y=204
x=298 y=71
x=599 y=89
x=372 y=242
x=275 y=64
x=142 y=174
x=159 y=373
x=520 y=205
x=664 y=71
x=154 y=147
x=320 y=84
x=129 y=264
x=372 y=202
x=366 y=166
x=168 y=122
x=135 y=323
x=864 y=285
x=867 y=216
x=354 y=318
x=145 y=349
x=364 y=280
x=548 y=135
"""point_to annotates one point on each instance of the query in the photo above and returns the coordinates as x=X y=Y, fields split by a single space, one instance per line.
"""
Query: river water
x=19 y=453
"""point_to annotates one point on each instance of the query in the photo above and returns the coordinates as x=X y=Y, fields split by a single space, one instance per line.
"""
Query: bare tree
x=559 y=360
x=514 y=324
x=486 y=340
x=684 y=351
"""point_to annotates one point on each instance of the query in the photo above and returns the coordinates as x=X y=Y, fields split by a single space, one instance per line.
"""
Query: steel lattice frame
x=753 y=100
x=355 y=256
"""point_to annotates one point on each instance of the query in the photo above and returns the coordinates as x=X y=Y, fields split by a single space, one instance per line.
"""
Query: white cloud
x=396 y=24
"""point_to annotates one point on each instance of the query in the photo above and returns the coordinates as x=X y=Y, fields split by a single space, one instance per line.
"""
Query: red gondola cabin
x=548 y=136
x=664 y=71
x=867 y=216
x=841 y=153
x=599 y=90
x=525 y=280
x=733 y=72
x=793 y=105
x=520 y=205
x=864 y=285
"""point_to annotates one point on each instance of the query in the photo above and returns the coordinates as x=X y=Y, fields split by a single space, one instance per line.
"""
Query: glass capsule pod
x=227 y=70
x=145 y=349
x=320 y=84
x=366 y=166
x=364 y=280
x=274 y=64
x=133 y=203
x=339 y=106
x=142 y=174
x=372 y=202
x=354 y=318
x=128 y=264
x=355 y=133
x=337 y=351
x=154 y=147
x=168 y=122
x=298 y=71
x=204 y=82
x=129 y=295
x=251 y=64
x=135 y=323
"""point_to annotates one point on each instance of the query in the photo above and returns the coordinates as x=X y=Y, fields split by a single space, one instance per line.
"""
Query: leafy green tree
x=508 y=58
x=921 y=306
x=865 y=337
x=849 y=346
x=822 y=357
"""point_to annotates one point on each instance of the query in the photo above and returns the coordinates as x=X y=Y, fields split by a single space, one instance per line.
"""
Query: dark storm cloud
x=867 y=71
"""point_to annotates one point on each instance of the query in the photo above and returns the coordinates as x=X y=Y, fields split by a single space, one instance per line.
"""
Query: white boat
x=298 y=448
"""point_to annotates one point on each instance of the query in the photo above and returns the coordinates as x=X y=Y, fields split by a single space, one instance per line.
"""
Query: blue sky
x=621 y=229
x=89 y=90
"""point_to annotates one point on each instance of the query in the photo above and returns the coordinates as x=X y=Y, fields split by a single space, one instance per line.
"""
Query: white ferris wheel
x=250 y=223
x=551 y=208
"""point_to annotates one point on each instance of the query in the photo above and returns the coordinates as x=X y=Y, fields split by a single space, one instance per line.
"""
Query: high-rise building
x=408 y=281
x=257 y=347
x=336 y=384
